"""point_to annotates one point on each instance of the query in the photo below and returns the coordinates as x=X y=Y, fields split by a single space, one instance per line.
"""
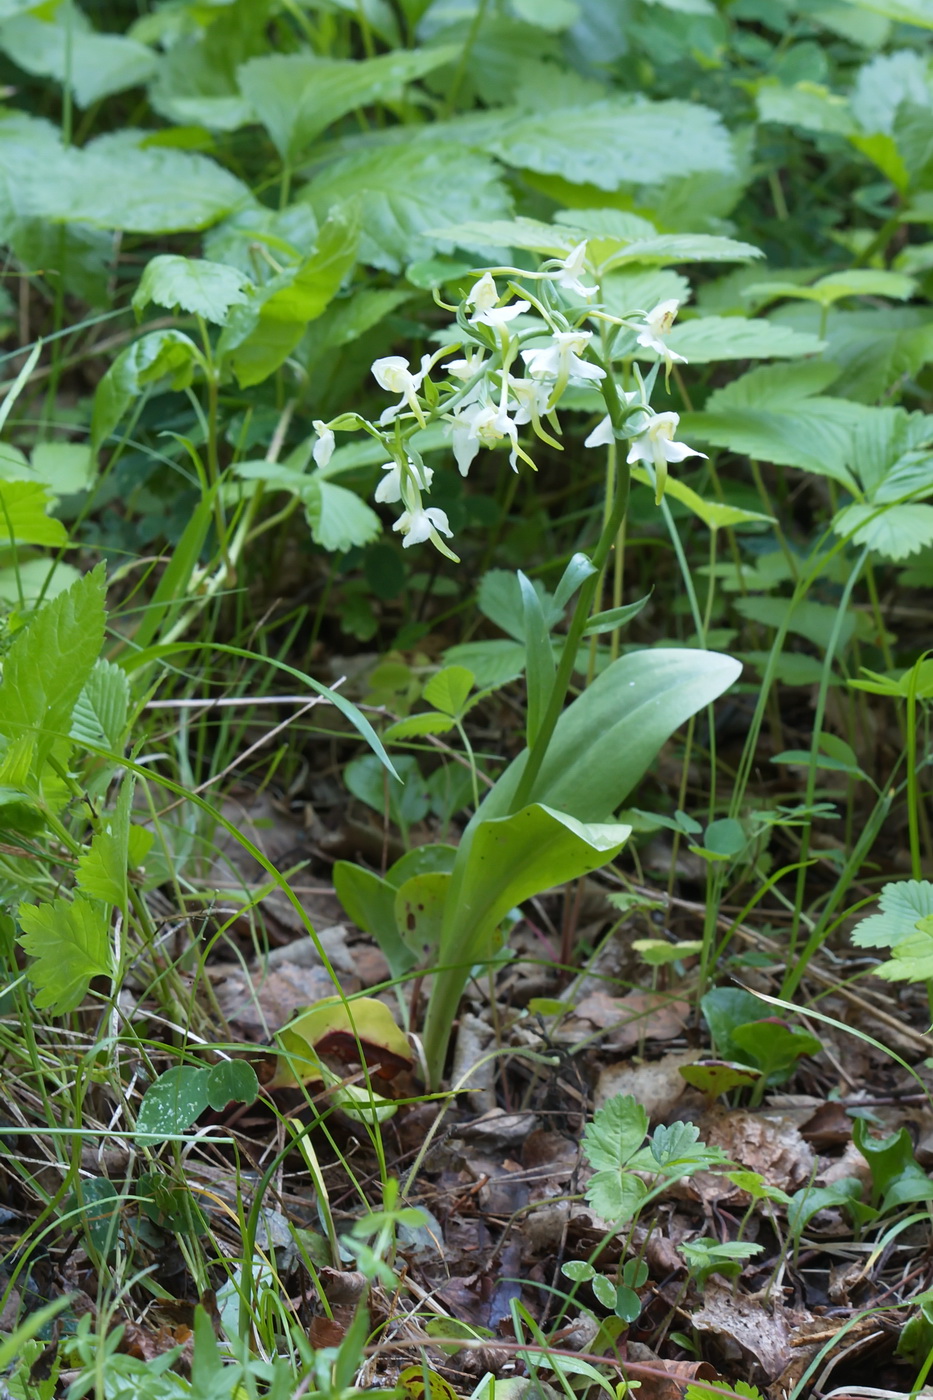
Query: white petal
x=602 y=435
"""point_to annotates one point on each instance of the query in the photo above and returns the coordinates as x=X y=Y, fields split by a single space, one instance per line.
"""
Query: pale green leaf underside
x=207 y=289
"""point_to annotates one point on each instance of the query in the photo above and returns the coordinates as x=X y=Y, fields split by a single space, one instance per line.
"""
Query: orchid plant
x=513 y=356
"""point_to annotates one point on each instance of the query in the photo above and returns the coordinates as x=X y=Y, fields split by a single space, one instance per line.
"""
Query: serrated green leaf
x=296 y=96
x=494 y=663
x=615 y=1196
x=604 y=143
x=118 y=182
x=102 y=866
x=415 y=726
x=904 y=924
x=406 y=192
x=69 y=941
x=48 y=665
x=894 y=532
x=714 y=338
x=615 y=1133
x=667 y=248
x=101 y=710
x=207 y=289
x=63 y=46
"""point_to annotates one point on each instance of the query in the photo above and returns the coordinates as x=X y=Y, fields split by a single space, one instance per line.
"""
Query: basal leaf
x=173 y=1103
x=407 y=191
x=69 y=941
x=208 y=289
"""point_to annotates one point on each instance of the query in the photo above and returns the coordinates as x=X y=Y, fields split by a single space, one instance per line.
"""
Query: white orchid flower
x=561 y=360
x=389 y=489
x=482 y=424
x=570 y=270
x=530 y=398
x=465 y=369
x=657 y=327
x=393 y=373
x=656 y=447
x=602 y=435
x=483 y=299
x=421 y=524
x=323 y=449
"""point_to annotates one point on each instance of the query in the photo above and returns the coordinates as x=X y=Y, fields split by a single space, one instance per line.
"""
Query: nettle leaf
x=69 y=941
x=683 y=248
x=715 y=338
x=48 y=664
x=66 y=48
x=904 y=924
x=873 y=347
x=894 y=532
x=408 y=191
x=604 y=143
x=118 y=181
x=207 y=289
x=296 y=96
x=857 y=282
x=101 y=710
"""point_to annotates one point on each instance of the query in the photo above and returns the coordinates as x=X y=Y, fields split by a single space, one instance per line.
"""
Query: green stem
x=581 y=615
x=471 y=38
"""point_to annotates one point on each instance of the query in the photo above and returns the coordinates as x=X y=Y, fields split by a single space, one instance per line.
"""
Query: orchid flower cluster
x=486 y=401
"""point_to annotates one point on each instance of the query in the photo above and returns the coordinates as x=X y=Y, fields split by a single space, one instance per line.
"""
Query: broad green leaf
x=348 y=1030
x=500 y=599
x=101 y=710
x=448 y=689
x=296 y=96
x=119 y=182
x=715 y=338
x=874 y=347
x=894 y=532
x=724 y=1008
x=405 y=801
x=904 y=924
x=668 y=248
x=407 y=191
x=616 y=1196
x=262 y=334
x=63 y=46
x=34 y=579
x=207 y=289
x=807 y=105
x=846 y=1193
x=774 y=1047
x=173 y=1103
x=419 y=912
x=884 y=83
x=167 y=354
x=815 y=621
x=69 y=941
x=102 y=865
x=604 y=143
x=857 y=282
x=508 y=860
x=64 y=467
x=550 y=240
x=339 y=520
x=604 y=742
x=231 y=1080
x=678 y=1151
x=494 y=663
x=896 y=1175
x=24 y=518
x=48 y=665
